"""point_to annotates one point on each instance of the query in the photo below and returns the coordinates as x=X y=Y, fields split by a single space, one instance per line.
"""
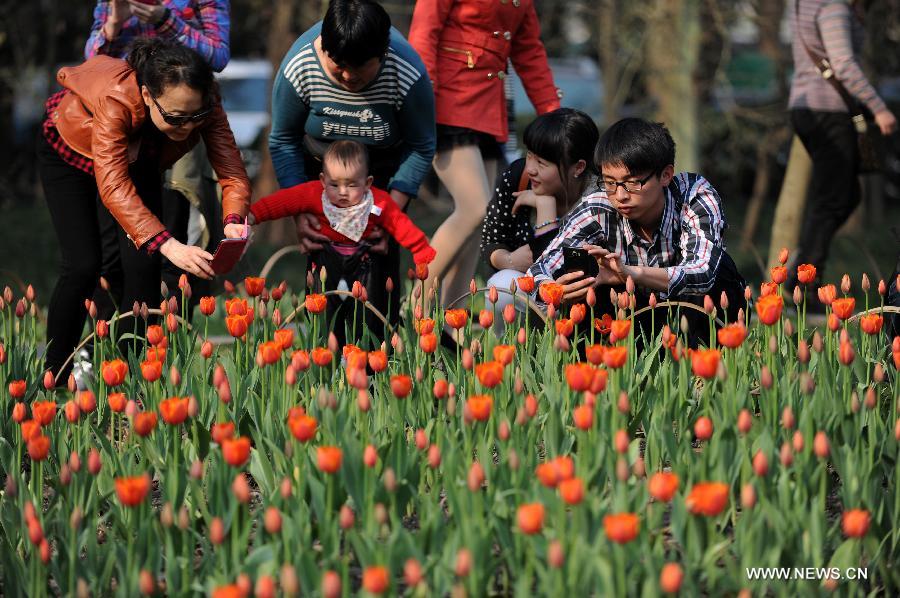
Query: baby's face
x=345 y=185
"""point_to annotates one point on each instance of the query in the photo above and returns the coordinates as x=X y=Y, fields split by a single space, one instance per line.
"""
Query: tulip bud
x=870 y=399
x=146 y=582
x=788 y=327
x=94 y=462
x=865 y=283
x=623 y=472
x=380 y=513
x=623 y=404
x=272 y=520
x=286 y=488
x=817 y=342
x=748 y=496
x=878 y=373
x=331 y=585
x=708 y=305
x=787 y=455
x=748 y=292
x=184 y=518
x=65 y=475
x=683 y=325
x=639 y=469
x=854 y=402
x=798 y=295
x=475 y=477
x=555 y=554
x=773 y=344
x=167 y=515
x=807 y=384
x=290 y=585
x=821 y=446
x=206 y=349
x=197 y=470
x=561 y=344
x=803 y=351
x=787 y=418
x=765 y=377
x=760 y=464
x=745 y=421
x=346 y=519
x=434 y=456
x=591 y=297
x=845 y=284
x=241 y=489
x=390 y=480
x=723 y=301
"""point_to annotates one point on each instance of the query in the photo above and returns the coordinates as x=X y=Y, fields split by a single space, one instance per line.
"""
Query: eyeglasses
x=630 y=186
x=178 y=120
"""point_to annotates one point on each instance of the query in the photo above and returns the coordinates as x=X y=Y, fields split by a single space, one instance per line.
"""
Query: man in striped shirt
x=663 y=230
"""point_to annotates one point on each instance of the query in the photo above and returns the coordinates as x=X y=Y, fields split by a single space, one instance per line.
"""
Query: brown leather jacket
x=101 y=119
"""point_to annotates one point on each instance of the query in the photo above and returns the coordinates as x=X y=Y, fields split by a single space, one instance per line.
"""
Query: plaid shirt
x=688 y=244
x=201 y=25
x=68 y=155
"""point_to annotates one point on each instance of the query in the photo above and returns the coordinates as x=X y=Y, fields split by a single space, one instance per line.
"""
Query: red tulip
x=174 y=410
x=132 y=490
x=254 y=285
x=480 y=407
x=855 y=523
x=707 y=498
x=329 y=458
x=490 y=373
x=315 y=303
x=207 y=305
x=236 y=451
x=530 y=518
x=621 y=528
x=114 y=372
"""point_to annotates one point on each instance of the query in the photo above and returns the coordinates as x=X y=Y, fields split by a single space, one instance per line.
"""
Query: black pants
x=830 y=140
x=369 y=270
x=72 y=200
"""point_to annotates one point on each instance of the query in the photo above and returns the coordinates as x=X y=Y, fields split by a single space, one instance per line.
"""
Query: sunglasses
x=178 y=120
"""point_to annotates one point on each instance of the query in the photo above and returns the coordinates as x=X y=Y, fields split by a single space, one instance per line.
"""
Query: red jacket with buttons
x=465 y=45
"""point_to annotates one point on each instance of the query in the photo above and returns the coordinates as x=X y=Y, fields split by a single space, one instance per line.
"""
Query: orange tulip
x=86 y=400
x=621 y=528
x=572 y=491
x=767 y=289
x=705 y=362
x=17 y=389
x=703 y=428
x=827 y=294
x=871 y=323
x=456 y=318
x=155 y=334
x=583 y=416
x=619 y=329
x=554 y=471
x=38 y=447
x=315 y=303
x=329 y=458
x=663 y=485
x=855 y=523
x=806 y=273
x=174 y=410
x=303 y=427
x=480 y=407
x=268 y=352
x=151 y=371
x=285 y=338
x=579 y=376
x=117 y=402
x=670 y=578
x=525 y=283
x=144 y=423
x=423 y=325
x=114 y=372
x=30 y=429
x=378 y=361
x=322 y=356
x=531 y=518
x=254 y=285
x=236 y=325
x=221 y=432
x=236 y=451
x=490 y=373
x=769 y=308
x=428 y=343
x=551 y=293
x=401 y=385
x=564 y=327
x=18 y=413
x=779 y=274
x=594 y=353
x=207 y=305
x=843 y=308
x=615 y=357
x=732 y=335
x=504 y=353
x=376 y=579
x=132 y=490
x=603 y=324
x=228 y=591
x=598 y=384
x=43 y=411
x=707 y=498
x=846 y=354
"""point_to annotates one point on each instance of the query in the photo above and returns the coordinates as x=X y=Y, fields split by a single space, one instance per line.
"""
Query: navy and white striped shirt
x=689 y=243
x=395 y=110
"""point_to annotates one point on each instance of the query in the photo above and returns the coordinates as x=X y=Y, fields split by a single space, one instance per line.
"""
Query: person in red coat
x=465 y=45
x=348 y=209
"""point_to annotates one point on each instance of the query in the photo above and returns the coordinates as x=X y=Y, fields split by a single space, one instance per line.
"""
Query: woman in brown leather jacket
x=113 y=129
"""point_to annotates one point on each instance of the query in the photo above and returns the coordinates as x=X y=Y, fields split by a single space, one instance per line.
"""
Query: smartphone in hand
x=576 y=259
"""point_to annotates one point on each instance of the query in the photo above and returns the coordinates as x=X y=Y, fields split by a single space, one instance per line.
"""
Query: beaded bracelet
x=543 y=224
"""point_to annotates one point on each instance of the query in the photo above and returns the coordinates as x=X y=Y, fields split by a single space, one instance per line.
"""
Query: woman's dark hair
x=355 y=31
x=641 y=146
x=160 y=64
x=563 y=137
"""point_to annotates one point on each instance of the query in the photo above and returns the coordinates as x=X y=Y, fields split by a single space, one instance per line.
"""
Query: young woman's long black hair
x=160 y=64
x=564 y=136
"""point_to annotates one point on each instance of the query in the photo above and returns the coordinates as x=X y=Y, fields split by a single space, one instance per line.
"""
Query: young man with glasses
x=663 y=230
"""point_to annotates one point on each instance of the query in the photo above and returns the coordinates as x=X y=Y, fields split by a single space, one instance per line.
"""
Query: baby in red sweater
x=348 y=209
x=346 y=204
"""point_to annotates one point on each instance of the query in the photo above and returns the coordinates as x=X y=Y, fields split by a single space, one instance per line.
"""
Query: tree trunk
x=673 y=49
x=791 y=202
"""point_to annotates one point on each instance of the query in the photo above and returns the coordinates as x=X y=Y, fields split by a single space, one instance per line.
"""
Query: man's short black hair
x=355 y=31
x=641 y=146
